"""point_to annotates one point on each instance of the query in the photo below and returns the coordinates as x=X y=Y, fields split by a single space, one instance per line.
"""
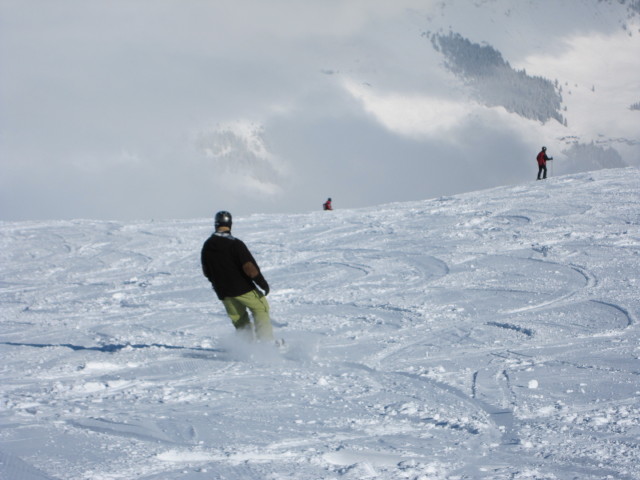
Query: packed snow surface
x=490 y=335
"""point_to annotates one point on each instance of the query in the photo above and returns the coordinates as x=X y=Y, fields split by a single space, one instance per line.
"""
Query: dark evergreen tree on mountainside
x=496 y=83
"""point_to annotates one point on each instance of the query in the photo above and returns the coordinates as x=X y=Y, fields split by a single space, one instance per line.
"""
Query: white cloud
x=294 y=19
x=598 y=80
x=410 y=114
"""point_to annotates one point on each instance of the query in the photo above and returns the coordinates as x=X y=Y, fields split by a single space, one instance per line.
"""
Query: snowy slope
x=490 y=335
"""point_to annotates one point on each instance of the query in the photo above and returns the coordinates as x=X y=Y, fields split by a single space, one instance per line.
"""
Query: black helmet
x=223 y=219
x=544 y=149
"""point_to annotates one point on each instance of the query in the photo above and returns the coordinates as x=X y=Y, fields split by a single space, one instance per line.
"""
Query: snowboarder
x=327 y=205
x=542 y=163
x=234 y=274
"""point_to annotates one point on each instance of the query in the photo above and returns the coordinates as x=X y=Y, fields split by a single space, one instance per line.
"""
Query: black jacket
x=223 y=257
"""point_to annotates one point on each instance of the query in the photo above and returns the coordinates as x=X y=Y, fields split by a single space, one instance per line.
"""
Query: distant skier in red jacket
x=327 y=205
x=542 y=163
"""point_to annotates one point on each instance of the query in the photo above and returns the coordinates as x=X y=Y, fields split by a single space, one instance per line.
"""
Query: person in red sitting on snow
x=327 y=205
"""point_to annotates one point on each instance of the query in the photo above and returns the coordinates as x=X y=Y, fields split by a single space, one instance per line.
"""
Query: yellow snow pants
x=255 y=302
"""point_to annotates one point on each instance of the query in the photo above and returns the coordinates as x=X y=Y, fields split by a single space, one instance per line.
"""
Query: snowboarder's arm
x=252 y=271
x=205 y=269
x=262 y=283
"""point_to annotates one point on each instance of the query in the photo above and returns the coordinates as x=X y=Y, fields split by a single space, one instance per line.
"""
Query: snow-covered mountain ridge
x=488 y=335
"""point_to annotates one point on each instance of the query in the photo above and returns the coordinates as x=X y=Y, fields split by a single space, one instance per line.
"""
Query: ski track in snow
x=491 y=335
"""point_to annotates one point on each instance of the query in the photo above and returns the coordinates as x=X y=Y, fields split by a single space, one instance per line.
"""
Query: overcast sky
x=176 y=109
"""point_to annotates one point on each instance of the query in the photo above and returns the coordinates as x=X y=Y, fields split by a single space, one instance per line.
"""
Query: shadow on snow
x=110 y=348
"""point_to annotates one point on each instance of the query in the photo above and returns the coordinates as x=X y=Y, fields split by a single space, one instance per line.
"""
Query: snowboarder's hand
x=262 y=283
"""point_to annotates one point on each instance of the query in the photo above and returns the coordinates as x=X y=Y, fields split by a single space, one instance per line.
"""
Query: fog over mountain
x=162 y=109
